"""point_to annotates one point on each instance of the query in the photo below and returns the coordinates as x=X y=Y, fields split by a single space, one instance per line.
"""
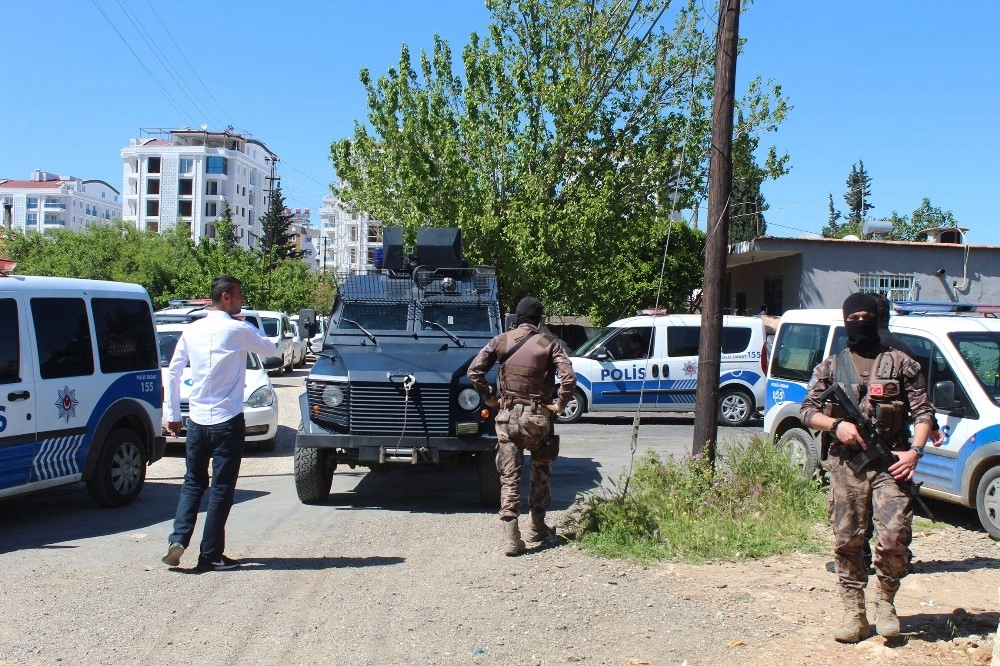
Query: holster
x=548 y=452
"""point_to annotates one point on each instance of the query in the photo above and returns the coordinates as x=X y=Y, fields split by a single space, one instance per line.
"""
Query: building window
x=374 y=234
x=32 y=202
x=893 y=287
x=354 y=255
x=153 y=165
x=187 y=165
x=185 y=187
x=371 y=255
x=153 y=186
x=32 y=218
x=102 y=195
x=185 y=207
x=212 y=187
x=216 y=164
x=153 y=208
x=354 y=235
x=773 y=296
x=211 y=209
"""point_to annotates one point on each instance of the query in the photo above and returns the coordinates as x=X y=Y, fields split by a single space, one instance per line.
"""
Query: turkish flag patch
x=876 y=390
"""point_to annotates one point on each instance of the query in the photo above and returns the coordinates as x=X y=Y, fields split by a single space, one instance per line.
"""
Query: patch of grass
x=754 y=504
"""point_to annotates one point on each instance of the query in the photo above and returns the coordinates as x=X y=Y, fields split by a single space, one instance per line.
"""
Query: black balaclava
x=862 y=336
x=529 y=311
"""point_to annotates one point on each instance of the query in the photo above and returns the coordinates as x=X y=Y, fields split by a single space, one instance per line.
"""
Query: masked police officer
x=528 y=361
x=876 y=376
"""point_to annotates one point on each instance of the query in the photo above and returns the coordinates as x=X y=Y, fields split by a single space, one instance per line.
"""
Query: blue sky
x=910 y=89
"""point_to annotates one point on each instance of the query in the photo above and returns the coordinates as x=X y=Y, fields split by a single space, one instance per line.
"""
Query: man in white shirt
x=216 y=348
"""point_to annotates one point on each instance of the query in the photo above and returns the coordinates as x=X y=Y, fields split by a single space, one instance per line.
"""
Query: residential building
x=305 y=237
x=347 y=239
x=46 y=201
x=184 y=175
x=779 y=274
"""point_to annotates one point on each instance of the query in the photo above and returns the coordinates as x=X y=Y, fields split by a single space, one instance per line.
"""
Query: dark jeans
x=223 y=445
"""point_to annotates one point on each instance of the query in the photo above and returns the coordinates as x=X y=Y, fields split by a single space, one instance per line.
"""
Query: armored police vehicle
x=958 y=348
x=389 y=387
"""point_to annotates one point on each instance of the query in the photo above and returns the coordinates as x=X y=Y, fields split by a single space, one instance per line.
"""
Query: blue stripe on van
x=748 y=376
x=944 y=473
x=780 y=391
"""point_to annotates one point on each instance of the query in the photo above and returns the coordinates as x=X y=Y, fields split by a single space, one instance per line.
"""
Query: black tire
x=266 y=445
x=802 y=448
x=575 y=408
x=121 y=469
x=302 y=361
x=313 y=474
x=735 y=407
x=285 y=369
x=489 y=479
x=988 y=502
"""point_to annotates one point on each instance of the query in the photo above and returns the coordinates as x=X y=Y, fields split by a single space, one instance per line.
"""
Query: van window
x=981 y=352
x=799 y=349
x=124 y=335
x=10 y=343
x=631 y=342
x=62 y=332
x=937 y=369
x=270 y=327
x=684 y=340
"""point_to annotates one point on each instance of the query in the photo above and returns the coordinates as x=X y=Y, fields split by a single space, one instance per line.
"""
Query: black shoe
x=223 y=563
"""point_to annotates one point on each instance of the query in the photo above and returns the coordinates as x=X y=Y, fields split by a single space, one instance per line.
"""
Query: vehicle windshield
x=981 y=352
x=798 y=349
x=374 y=316
x=270 y=326
x=597 y=339
x=457 y=316
x=168 y=343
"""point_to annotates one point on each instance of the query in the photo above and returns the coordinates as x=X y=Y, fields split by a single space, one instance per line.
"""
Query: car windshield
x=270 y=326
x=981 y=352
x=599 y=338
x=457 y=317
x=168 y=343
x=375 y=316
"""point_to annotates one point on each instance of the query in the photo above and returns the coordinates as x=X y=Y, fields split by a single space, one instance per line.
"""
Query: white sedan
x=260 y=403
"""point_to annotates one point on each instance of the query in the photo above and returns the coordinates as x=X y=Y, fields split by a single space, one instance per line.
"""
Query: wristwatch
x=833 y=428
x=919 y=450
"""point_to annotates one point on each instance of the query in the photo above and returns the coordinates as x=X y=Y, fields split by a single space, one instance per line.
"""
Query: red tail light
x=763 y=359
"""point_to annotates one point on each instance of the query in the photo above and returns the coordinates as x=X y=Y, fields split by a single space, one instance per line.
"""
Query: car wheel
x=266 y=445
x=735 y=407
x=313 y=471
x=988 y=502
x=121 y=469
x=489 y=478
x=801 y=448
x=574 y=408
x=302 y=361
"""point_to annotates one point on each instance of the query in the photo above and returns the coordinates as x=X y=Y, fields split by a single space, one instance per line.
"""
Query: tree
x=276 y=237
x=573 y=133
x=923 y=218
x=225 y=229
x=747 y=210
x=859 y=193
x=832 y=227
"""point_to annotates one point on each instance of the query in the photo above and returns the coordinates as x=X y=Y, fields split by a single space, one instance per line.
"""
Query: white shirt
x=216 y=346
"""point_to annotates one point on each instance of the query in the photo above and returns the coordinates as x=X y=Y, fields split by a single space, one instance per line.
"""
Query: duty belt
x=506 y=402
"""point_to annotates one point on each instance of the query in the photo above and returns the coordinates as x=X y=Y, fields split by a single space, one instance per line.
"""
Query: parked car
x=81 y=396
x=260 y=403
x=278 y=329
x=314 y=344
x=957 y=346
x=301 y=345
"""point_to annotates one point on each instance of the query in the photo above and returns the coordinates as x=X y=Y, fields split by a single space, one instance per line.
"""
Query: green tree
x=859 y=193
x=832 y=227
x=747 y=211
x=225 y=228
x=276 y=236
x=923 y=218
x=573 y=133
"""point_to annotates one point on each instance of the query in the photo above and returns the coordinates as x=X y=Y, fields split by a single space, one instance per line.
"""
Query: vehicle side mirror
x=289 y=335
x=273 y=362
x=600 y=354
x=308 y=321
x=944 y=396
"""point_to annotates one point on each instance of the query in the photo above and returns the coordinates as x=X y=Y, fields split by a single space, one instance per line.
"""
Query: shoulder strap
x=845 y=372
x=516 y=347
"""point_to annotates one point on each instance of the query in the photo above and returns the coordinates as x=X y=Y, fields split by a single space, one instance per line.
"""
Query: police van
x=958 y=348
x=650 y=362
x=81 y=394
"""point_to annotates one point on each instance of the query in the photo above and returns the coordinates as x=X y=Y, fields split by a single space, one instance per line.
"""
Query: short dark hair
x=884 y=307
x=223 y=284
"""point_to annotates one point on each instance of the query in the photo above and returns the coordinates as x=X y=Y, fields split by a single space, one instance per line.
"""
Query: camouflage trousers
x=518 y=428
x=852 y=496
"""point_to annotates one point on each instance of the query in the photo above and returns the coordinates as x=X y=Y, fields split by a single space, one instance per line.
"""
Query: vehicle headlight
x=262 y=397
x=468 y=399
x=333 y=396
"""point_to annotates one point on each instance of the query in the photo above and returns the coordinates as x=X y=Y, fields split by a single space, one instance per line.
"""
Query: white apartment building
x=46 y=201
x=305 y=237
x=183 y=175
x=347 y=240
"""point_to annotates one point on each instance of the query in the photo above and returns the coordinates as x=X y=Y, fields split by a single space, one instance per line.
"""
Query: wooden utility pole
x=720 y=186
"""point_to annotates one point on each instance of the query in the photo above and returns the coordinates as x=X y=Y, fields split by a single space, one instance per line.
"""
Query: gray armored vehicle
x=389 y=387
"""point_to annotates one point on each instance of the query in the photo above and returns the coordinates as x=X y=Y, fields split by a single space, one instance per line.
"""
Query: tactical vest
x=528 y=372
x=881 y=395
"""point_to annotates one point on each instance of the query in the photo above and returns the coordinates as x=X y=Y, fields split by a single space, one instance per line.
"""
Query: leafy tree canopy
x=924 y=217
x=574 y=131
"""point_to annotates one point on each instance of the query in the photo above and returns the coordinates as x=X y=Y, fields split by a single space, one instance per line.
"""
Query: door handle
x=666 y=371
x=13 y=396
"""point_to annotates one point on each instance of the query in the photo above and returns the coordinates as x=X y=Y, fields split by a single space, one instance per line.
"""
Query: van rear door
x=17 y=396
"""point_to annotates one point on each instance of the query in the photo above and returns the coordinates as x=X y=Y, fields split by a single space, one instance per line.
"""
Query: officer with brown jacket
x=888 y=383
x=528 y=361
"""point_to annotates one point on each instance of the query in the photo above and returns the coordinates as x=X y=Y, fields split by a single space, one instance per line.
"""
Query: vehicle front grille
x=329 y=417
x=380 y=409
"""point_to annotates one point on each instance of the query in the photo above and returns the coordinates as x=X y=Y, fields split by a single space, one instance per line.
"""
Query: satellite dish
x=204 y=127
x=851 y=237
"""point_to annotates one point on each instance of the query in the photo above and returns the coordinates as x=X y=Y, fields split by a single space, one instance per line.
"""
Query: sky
x=909 y=89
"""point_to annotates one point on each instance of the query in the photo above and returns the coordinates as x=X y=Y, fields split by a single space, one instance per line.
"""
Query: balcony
x=52 y=205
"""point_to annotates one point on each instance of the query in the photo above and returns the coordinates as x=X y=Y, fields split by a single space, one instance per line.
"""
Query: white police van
x=958 y=347
x=650 y=362
x=80 y=390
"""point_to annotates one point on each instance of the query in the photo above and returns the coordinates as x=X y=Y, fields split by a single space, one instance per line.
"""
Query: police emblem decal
x=690 y=369
x=67 y=403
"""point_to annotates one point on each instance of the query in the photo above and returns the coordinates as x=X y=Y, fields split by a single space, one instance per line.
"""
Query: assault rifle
x=877 y=449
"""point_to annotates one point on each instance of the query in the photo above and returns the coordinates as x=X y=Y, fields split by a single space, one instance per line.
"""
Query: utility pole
x=720 y=186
